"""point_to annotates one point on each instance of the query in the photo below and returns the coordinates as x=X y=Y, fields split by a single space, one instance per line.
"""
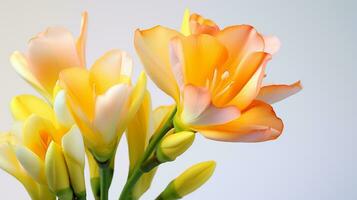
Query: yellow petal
x=152 y=48
x=109 y=70
x=134 y=102
x=82 y=39
x=80 y=93
x=274 y=93
x=185 y=26
x=160 y=116
x=138 y=132
x=56 y=169
x=21 y=66
x=23 y=106
x=257 y=123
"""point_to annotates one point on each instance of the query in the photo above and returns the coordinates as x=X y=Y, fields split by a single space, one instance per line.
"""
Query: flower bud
x=56 y=172
x=173 y=145
x=74 y=154
x=189 y=181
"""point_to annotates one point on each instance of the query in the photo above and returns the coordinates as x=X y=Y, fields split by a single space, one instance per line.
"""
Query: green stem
x=139 y=169
x=105 y=179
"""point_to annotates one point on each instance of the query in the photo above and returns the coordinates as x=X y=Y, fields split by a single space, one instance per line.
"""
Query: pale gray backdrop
x=315 y=158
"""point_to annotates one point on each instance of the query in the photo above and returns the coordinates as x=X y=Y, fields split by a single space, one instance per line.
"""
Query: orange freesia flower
x=48 y=53
x=215 y=76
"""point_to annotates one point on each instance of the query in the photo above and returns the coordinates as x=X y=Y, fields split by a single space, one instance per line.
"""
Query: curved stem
x=139 y=169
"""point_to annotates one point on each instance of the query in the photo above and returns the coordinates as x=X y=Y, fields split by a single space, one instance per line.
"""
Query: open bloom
x=48 y=53
x=38 y=127
x=102 y=100
x=215 y=76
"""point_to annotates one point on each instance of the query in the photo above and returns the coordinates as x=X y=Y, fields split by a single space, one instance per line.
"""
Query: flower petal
x=82 y=39
x=77 y=84
x=274 y=93
x=271 y=44
x=199 y=55
x=72 y=145
x=49 y=53
x=201 y=25
x=63 y=115
x=109 y=110
x=250 y=91
x=232 y=85
x=112 y=68
x=195 y=101
x=21 y=66
x=33 y=164
x=240 y=41
x=152 y=46
x=23 y=106
x=139 y=130
x=257 y=123
x=185 y=25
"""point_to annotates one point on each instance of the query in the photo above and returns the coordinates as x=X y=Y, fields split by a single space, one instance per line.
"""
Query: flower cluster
x=214 y=75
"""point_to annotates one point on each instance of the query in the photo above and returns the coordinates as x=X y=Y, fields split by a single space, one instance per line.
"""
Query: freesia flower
x=215 y=76
x=40 y=126
x=102 y=100
x=49 y=52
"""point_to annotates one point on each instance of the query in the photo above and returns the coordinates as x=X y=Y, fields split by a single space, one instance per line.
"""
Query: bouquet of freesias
x=213 y=75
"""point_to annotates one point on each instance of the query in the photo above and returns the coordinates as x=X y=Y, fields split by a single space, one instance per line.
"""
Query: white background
x=315 y=158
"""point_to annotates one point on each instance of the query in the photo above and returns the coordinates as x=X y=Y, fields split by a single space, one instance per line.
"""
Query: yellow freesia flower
x=215 y=76
x=38 y=125
x=102 y=100
x=48 y=53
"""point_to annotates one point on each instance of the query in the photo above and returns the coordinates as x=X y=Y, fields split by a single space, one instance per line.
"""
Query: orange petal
x=201 y=25
x=257 y=123
x=79 y=90
x=201 y=55
x=250 y=90
x=107 y=71
x=231 y=86
x=240 y=41
x=274 y=93
x=152 y=46
x=82 y=39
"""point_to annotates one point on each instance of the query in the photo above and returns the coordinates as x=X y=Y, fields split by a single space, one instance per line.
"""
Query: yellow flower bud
x=56 y=172
x=174 y=144
x=189 y=181
x=74 y=154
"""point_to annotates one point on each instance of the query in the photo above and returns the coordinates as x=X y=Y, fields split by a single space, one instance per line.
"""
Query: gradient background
x=315 y=158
